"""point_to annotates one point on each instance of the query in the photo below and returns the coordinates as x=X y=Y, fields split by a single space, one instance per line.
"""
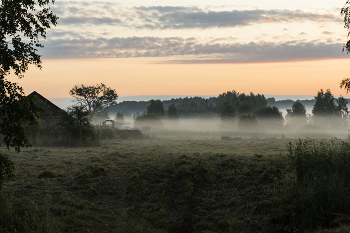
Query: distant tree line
x=245 y=111
x=194 y=106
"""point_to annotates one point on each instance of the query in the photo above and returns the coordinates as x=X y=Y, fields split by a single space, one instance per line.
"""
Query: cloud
x=217 y=52
x=172 y=17
x=74 y=20
x=326 y=32
x=195 y=18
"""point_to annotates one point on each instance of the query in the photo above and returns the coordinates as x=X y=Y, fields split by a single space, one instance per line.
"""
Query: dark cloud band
x=181 y=47
x=168 y=17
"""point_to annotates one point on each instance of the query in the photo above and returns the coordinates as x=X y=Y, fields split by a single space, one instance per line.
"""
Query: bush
x=317 y=190
x=6 y=169
x=77 y=128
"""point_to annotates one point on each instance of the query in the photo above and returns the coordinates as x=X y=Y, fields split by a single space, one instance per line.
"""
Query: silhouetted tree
x=172 y=112
x=345 y=12
x=324 y=105
x=296 y=117
x=270 y=117
x=97 y=98
x=76 y=125
x=22 y=23
x=119 y=117
x=326 y=112
x=232 y=104
x=227 y=105
x=156 y=107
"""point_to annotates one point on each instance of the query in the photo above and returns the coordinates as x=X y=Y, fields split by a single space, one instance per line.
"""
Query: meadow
x=167 y=183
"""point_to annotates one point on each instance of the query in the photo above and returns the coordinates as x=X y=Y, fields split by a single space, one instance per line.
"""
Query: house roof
x=50 y=107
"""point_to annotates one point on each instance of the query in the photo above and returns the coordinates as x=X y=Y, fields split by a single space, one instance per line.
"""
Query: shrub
x=317 y=189
x=6 y=169
x=77 y=128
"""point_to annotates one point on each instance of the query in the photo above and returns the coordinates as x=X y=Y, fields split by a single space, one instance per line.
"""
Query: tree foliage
x=76 y=126
x=17 y=112
x=270 y=117
x=172 y=112
x=156 y=107
x=232 y=104
x=22 y=23
x=119 y=117
x=324 y=105
x=296 y=116
x=97 y=98
x=328 y=110
x=18 y=20
x=298 y=110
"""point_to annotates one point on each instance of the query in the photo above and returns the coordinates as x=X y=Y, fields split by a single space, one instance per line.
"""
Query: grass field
x=159 y=184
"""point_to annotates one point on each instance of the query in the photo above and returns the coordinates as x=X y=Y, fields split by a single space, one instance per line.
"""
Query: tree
x=119 y=117
x=97 y=98
x=232 y=104
x=328 y=111
x=296 y=117
x=75 y=124
x=271 y=117
x=324 y=105
x=345 y=12
x=172 y=112
x=22 y=23
x=156 y=107
x=227 y=105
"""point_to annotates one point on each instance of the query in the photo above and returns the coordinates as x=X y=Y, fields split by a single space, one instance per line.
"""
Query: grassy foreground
x=151 y=185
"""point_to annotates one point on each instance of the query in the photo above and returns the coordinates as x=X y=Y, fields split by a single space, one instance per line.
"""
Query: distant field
x=161 y=184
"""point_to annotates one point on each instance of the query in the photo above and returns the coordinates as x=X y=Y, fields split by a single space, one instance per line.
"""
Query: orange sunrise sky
x=193 y=48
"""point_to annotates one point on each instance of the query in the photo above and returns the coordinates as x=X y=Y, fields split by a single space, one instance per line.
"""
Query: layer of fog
x=313 y=128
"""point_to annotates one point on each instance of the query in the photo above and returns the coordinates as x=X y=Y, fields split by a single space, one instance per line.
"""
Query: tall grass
x=23 y=216
x=317 y=189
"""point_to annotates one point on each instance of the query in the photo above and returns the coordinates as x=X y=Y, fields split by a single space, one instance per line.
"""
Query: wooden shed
x=53 y=112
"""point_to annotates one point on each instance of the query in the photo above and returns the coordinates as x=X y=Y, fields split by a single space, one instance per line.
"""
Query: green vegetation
x=330 y=112
x=317 y=188
x=180 y=185
x=232 y=104
x=172 y=112
x=296 y=116
x=96 y=98
x=22 y=24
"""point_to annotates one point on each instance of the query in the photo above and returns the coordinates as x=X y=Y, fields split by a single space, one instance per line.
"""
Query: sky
x=204 y=48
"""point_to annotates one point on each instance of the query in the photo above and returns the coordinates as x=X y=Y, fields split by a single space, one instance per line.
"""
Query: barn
x=52 y=111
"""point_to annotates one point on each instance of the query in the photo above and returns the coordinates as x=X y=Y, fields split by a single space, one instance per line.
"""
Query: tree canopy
x=172 y=112
x=327 y=107
x=156 y=107
x=232 y=103
x=296 y=116
x=22 y=23
x=97 y=98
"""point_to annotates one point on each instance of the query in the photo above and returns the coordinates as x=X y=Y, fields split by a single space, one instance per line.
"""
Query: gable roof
x=51 y=107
